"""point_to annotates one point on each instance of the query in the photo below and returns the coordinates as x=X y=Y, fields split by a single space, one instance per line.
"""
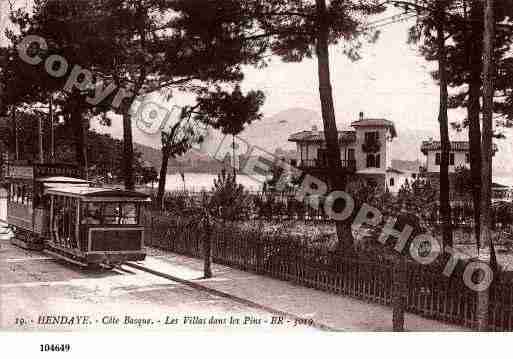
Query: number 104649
x=55 y=347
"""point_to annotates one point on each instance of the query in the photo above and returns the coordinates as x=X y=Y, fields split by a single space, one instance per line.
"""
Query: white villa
x=365 y=152
x=458 y=157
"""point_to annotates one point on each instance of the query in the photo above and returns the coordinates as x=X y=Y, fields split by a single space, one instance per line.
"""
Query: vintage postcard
x=256 y=166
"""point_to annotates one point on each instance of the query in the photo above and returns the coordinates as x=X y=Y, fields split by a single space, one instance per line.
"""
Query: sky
x=390 y=81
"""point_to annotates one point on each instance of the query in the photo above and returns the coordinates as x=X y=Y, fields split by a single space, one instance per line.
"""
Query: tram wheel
x=94 y=266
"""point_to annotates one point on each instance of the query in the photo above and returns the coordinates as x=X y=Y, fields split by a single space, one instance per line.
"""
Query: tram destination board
x=42 y=170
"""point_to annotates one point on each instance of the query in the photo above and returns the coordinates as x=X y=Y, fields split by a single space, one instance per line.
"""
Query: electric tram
x=52 y=208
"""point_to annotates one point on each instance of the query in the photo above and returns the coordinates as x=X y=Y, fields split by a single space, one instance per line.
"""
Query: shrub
x=229 y=201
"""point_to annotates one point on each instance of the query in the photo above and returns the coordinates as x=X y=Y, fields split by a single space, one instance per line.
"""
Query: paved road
x=37 y=290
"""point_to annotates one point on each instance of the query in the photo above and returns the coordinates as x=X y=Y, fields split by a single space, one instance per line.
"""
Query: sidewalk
x=328 y=310
x=5 y=232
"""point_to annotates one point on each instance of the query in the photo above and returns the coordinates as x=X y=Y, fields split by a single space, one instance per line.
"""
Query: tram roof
x=61 y=179
x=95 y=193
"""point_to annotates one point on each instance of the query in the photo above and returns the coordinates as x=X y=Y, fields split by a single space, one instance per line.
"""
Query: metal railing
x=318 y=163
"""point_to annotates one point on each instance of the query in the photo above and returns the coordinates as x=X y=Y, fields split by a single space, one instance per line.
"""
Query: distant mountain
x=405 y=165
x=273 y=132
x=149 y=154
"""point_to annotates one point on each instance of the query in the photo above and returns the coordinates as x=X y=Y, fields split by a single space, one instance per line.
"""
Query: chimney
x=361 y=115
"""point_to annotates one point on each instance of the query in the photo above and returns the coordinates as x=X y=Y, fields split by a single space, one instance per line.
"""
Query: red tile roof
x=456 y=146
x=318 y=136
x=375 y=122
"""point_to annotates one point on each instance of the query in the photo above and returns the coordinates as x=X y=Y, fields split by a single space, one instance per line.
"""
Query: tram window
x=91 y=213
x=129 y=213
x=111 y=213
x=72 y=210
x=28 y=198
x=19 y=194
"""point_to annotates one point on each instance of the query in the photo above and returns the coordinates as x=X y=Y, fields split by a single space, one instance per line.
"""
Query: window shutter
x=370 y=160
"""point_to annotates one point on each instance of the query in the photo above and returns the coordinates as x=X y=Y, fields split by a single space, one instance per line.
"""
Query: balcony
x=317 y=164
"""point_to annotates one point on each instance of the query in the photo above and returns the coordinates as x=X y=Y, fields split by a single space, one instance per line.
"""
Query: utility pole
x=487 y=148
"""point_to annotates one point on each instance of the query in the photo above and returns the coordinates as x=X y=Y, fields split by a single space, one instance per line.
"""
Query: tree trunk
x=400 y=292
x=325 y=92
x=445 y=205
x=16 y=135
x=207 y=249
x=486 y=146
x=128 y=152
x=41 y=152
x=52 y=129
x=80 y=134
x=336 y=180
x=474 y=109
x=162 y=179
x=233 y=156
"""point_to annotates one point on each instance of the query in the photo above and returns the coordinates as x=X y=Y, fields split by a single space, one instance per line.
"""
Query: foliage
x=362 y=193
x=176 y=203
x=105 y=153
x=278 y=181
x=463 y=183
x=229 y=200
x=465 y=30
x=148 y=174
x=371 y=146
x=140 y=46
x=421 y=198
x=229 y=112
x=291 y=27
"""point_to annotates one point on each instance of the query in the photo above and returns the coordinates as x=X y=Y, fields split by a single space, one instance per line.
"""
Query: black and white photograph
x=297 y=167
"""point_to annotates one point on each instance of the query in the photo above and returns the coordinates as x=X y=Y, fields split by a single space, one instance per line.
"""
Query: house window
x=370 y=161
x=392 y=182
x=467 y=157
x=350 y=154
x=371 y=136
x=373 y=161
x=371 y=182
x=438 y=159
